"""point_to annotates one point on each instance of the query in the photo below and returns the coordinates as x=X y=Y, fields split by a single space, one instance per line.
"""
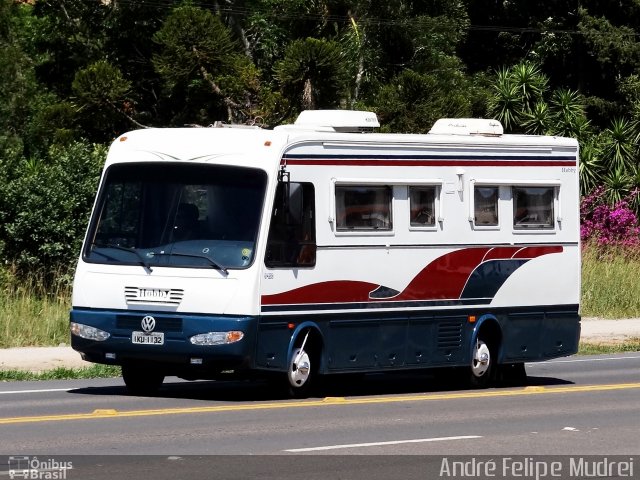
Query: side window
x=363 y=208
x=485 y=201
x=422 y=206
x=533 y=207
x=292 y=234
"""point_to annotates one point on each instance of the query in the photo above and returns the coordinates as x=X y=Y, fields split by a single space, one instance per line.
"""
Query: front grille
x=129 y=322
x=449 y=335
x=153 y=296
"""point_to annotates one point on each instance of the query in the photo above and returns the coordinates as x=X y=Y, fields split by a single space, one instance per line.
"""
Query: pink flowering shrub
x=607 y=225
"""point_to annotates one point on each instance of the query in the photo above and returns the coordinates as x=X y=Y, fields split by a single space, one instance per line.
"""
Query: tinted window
x=292 y=233
x=422 y=206
x=533 y=207
x=177 y=215
x=363 y=208
x=485 y=203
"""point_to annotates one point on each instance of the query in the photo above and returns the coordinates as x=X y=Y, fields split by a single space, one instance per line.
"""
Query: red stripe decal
x=445 y=277
x=339 y=291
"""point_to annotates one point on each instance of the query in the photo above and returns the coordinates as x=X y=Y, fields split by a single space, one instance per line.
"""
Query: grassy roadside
x=61 y=373
x=31 y=315
x=610 y=287
x=631 y=345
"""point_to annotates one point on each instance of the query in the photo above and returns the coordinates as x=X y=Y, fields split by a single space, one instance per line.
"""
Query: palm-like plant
x=531 y=83
x=617 y=185
x=569 y=114
x=580 y=128
x=517 y=96
x=590 y=168
x=506 y=102
x=620 y=148
x=538 y=120
x=567 y=102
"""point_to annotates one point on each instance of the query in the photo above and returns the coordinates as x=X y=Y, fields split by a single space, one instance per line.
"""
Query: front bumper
x=177 y=355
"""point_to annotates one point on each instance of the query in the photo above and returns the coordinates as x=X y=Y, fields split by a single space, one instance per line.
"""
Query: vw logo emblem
x=148 y=324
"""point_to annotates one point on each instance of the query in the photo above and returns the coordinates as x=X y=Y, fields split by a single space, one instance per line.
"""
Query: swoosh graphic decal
x=476 y=272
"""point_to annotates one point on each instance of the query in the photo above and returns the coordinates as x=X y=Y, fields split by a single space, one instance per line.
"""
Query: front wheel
x=299 y=372
x=141 y=381
x=302 y=369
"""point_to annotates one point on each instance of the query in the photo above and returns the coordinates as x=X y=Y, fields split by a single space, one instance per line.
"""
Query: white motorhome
x=321 y=248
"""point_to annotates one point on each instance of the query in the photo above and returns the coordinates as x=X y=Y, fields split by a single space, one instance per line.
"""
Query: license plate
x=141 y=338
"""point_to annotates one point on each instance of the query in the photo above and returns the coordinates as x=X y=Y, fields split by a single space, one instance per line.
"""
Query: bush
x=606 y=225
x=44 y=209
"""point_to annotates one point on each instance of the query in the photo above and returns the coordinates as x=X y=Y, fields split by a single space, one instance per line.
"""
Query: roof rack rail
x=467 y=126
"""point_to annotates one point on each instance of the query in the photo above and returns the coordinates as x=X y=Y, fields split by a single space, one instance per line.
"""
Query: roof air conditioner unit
x=352 y=121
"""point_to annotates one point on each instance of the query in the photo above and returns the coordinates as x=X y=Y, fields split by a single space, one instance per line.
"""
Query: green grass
x=32 y=315
x=631 y=345
x=61 y=373
x=610 y=286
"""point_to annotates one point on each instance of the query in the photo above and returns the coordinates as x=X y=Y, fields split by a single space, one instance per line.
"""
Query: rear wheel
x=482 y=363
x=142 y=381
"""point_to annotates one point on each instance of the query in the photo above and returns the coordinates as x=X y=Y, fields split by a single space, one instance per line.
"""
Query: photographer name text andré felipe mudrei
x=538 y=468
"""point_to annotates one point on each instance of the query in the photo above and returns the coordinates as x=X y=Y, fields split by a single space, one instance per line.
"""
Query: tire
x=482 y=368
x=142 y=381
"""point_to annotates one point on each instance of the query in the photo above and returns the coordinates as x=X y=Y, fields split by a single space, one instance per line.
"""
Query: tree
x=20 y=93
x=522 y=101
x=101 y=94
x=517 y=95
x=312 y=74
x=412 y=101
x=197 y=51
x=70 y=35
x=620 y=147
x=44 y=209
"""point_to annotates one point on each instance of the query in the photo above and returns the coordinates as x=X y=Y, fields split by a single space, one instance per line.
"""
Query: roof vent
x=467 y=126
x=351 y=121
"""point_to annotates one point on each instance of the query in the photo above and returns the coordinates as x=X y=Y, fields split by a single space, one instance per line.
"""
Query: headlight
x=217 y=338
x=89 y=333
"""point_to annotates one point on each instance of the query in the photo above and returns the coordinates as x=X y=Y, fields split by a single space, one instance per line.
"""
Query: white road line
x=44 y=390
x=377 y=444
x=541 y=364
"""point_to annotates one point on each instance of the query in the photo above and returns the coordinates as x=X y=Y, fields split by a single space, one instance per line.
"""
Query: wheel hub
x=481 y=359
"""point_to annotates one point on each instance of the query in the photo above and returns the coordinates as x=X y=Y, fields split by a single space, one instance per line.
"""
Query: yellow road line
x=329 y=401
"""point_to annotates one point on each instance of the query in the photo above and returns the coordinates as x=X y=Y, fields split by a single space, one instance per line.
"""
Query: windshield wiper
x=142 y=261
x=212 y=262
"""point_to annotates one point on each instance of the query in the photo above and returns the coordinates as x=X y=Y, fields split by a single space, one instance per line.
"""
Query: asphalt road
x=573 y=406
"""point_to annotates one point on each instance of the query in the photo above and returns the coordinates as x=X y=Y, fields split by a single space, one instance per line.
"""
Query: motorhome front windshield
x=177 y=215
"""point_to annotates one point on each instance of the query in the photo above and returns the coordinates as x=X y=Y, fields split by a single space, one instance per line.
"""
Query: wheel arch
x=490 y=327
x=315 y=336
